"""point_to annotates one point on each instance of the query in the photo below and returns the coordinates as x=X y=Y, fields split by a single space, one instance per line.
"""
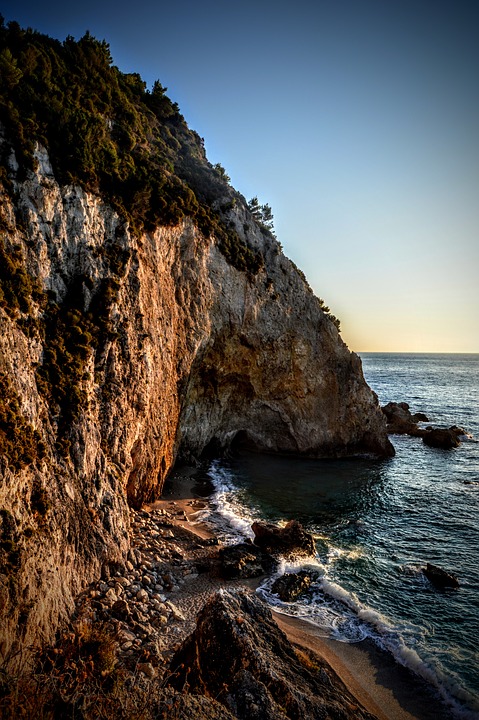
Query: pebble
x=177 y=614
x=135 y=601
x=148 y=670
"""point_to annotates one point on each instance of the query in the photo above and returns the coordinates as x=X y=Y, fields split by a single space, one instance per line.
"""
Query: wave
x=335 y=611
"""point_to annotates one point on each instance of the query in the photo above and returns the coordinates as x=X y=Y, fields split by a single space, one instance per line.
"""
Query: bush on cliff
x=106 y=131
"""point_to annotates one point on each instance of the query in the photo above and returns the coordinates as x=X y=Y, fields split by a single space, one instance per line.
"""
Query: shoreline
x=384 y=687
x=147 y=609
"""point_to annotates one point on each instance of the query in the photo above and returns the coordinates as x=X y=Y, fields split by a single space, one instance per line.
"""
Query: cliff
x=126 y=344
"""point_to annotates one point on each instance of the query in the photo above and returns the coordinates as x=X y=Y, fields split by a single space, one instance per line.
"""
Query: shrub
x=106 y=131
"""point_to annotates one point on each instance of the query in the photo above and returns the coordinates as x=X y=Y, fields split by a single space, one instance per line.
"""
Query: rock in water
x=240 y=657
x=401 y=421
x=290 y=540
x=244 y=560
x=440 y=578
x=290 y=586
x=443 y=439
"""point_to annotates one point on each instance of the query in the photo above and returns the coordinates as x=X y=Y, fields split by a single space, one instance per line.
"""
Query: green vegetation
x=106 y=131
x=17 y=287
x=262 y=214
x=329 y=314
x=20 y=444
x=219 y=170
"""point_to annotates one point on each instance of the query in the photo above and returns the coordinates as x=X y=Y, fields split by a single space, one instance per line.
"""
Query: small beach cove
x=171 y=545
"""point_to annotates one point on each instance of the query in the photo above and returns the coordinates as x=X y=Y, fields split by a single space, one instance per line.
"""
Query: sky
x=356 y=120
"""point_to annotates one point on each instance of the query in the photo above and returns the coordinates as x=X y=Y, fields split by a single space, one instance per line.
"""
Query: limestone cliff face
x=190 y=355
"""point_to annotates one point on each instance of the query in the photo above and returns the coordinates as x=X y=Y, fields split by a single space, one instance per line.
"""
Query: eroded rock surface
x=244 y=560
x=290 y=586
x=290 y=540
x=238 y=656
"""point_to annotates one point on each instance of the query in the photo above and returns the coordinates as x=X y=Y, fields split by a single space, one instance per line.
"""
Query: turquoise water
x=377 y=523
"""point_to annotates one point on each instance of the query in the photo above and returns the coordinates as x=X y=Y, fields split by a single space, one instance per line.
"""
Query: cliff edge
x=124 y=347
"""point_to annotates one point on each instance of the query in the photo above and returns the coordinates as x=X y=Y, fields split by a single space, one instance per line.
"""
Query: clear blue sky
x=356 y=120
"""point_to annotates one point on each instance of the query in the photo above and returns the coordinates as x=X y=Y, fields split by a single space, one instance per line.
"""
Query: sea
x=378 y=522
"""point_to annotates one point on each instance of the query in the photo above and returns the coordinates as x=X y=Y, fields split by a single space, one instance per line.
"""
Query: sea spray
x=377 y=524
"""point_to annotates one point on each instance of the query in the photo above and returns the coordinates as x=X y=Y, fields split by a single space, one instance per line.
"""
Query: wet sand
x=385 y=688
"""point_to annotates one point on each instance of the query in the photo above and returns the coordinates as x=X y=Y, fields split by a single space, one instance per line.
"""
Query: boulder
x=121 y=610
x=292 y=540
x=400 y=420
x=440 y=578
x=290 y=586
x=420 y=417
x=444 y=439
x=244 y=560
x=184 y=706
x=239 y=656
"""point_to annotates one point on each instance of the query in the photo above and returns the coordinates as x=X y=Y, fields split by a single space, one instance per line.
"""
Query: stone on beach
x=291 y=540
x=290 y=586
x=238 y=655
x=244 y=560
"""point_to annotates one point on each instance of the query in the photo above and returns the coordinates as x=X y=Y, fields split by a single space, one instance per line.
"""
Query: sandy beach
x=383 y=687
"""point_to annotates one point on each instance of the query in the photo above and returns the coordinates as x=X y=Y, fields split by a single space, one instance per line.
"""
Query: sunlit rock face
x=189 y=355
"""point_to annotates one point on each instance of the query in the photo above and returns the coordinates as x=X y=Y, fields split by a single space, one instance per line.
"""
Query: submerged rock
x=440 y=578
x=239 y=656
x=291 y=539
x=290 y=586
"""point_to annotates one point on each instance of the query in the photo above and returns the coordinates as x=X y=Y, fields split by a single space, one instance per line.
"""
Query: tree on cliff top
x=106 y=131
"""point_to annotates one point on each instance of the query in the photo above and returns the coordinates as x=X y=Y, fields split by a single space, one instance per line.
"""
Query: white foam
x=231 y=518
x=335 y=611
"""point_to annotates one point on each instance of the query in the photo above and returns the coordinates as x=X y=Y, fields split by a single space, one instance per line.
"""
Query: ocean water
x=377 y=524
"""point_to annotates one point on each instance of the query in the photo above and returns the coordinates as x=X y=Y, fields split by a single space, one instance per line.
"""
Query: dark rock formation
x=290 y=586
x=244 y=560
x=240 y=657
x=440 y=578
x=401 y=421
x=420 y=417
x=124 y=346
x=444 y=439
x=291 y=540
x=185 y=706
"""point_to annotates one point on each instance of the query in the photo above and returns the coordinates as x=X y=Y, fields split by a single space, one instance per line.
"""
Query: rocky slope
x=238 y=656
x=121 y=351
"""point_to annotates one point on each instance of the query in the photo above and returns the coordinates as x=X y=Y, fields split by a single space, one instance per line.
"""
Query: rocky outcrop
x=290 y=541
x=244 y=560
x=445 y=439
x=439 y=577
x=120 y=353
x=290 y=586
x=238 y=656
x=401 y=421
